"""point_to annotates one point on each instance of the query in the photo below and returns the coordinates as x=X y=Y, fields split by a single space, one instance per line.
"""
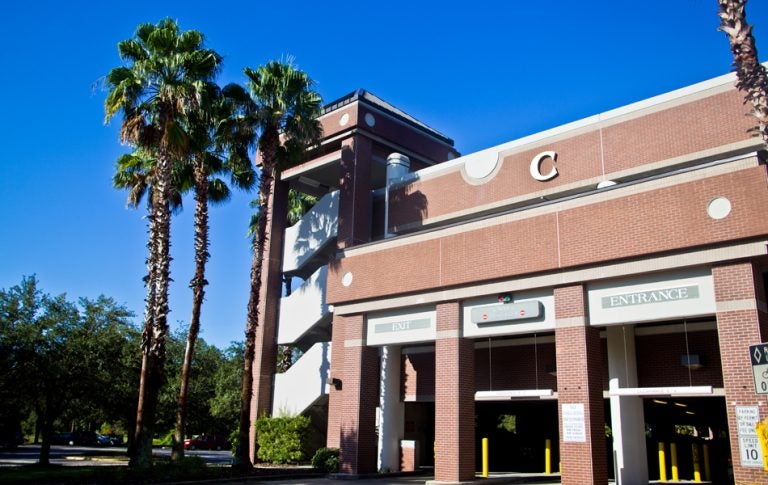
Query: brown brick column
x=360 y=397
x=454 y=398
x=269 y=308
x=355 y=201
x=336 y=396
x=741 y=311
x=579 y=382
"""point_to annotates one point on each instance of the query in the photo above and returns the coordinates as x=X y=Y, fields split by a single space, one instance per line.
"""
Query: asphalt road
x=96 y=456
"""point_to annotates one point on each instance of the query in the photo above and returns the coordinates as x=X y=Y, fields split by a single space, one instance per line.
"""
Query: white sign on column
x=574 y=426
x=747 y=418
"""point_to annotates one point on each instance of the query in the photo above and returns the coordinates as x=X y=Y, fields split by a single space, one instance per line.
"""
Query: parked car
x=205 y=442
x=78 y=438
x=64 y=438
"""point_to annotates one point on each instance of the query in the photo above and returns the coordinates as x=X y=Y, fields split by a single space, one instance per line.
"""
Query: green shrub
x=326 y=460
x=165 y=440
x=282 y=439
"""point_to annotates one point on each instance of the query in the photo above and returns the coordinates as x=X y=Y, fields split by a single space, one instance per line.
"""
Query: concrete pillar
x=627 y=417
x=355 y=202
x=360 y=396
x=580 y=391
x=741 y=322
x=391 y=409
x=454 y=398
x=265 y=352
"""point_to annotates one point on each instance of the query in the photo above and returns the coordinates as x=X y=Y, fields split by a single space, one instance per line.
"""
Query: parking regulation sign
x=759 y=356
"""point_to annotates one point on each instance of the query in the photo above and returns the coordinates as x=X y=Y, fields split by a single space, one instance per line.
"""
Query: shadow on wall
x=325 y=368
x=407 y=207
x=317 y=225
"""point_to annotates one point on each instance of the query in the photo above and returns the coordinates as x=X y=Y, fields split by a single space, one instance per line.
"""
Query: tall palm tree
x=165 y=73
x=286 y=112
x=220 y=147
x=752 y=76
x=135 y=173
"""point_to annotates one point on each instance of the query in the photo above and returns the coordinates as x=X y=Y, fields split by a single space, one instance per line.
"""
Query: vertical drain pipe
x=398 y=165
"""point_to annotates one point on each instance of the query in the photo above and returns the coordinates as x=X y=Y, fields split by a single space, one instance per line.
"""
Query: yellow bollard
x=696 y=466
x=485 y=457
x=673 y=457
x=547 y=456
x=707 y=469
x=662 y=464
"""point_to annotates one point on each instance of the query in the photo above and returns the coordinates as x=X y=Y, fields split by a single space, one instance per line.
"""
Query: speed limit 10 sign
x=759 y=355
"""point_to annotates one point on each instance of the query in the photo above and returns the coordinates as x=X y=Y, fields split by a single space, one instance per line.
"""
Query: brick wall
x=454 y=399
x=580 y=376
x=583 y=235
x=679 y=130
x=360 y=396
x=336 y=396
x=658 y=360
x=355 y=201
x=741 y=308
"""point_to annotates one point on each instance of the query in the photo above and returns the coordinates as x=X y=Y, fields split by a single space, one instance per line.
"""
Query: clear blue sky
x=482 y=75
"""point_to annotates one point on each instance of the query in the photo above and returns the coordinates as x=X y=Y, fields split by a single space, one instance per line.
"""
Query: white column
x=391 y=409
x=627 y=418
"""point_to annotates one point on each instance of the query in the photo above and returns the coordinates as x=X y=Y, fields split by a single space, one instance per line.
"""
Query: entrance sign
x=749 y=444
x=759 y=356
x=574 y=427
x=655 y=297
x=651 y=296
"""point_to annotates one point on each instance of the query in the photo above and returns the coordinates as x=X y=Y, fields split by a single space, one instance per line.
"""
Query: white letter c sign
x=536 y=166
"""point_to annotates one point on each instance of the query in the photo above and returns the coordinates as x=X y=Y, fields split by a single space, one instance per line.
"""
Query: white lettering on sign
x=536 y=166
x=403 y=325
x=653 y=296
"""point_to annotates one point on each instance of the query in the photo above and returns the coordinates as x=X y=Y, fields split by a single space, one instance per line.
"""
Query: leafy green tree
x=59 y=357
x=225 y=404
x=19 y=306
x=219 y=148
x=286 y=109
x=164 y=77
x=752 y=76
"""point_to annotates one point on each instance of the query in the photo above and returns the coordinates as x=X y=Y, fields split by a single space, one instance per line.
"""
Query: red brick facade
x=738 y=287
x=454 y=398
x=360 y=396
x=580 y=375
x=569 y=244
x=564 y=239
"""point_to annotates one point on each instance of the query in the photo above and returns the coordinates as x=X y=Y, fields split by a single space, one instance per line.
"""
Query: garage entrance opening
x=517 y=432
x=698 y=429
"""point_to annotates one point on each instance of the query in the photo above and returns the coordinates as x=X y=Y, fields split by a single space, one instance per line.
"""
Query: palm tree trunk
x=752 y=76
x=146 y=334
x=243 y=458
x=156 y=351
x=198 y=292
